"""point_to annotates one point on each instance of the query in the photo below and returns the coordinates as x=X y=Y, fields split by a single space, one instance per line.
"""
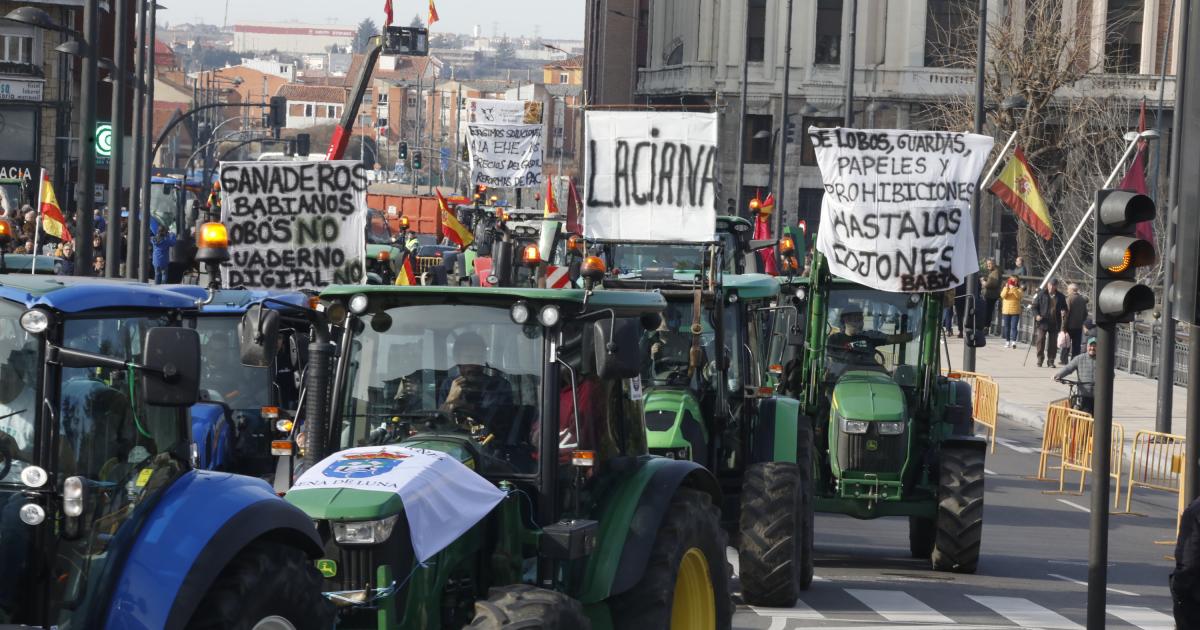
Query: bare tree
x=1071 y=132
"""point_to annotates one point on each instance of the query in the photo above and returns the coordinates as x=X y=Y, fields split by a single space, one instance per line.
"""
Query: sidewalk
x=1026 y=389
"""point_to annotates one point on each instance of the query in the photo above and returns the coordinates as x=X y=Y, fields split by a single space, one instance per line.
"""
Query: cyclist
x=1084 y=365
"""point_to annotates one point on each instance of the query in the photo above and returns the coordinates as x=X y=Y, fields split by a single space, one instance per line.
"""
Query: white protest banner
x=505 y=156
x=651 y=176
x=497 y=112
x=442 y=498
x=896 y=215
x=294 y=225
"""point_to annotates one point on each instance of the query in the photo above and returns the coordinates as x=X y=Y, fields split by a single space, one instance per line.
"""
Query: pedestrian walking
x=1010 y=310
x=1185 y=579
x=960 y=296
x=948 y=311
x=161 y=242
x=1077 y=314
x=991 y=292
x=1049 y=308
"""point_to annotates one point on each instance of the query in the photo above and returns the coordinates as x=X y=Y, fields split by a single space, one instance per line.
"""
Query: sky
x=557 y=19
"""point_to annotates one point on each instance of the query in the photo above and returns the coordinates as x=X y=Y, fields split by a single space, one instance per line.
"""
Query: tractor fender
x=775 y=436
x=959 y=414
x=197 y=527
x=969 y=442
x=210 y=432
x=630 y=520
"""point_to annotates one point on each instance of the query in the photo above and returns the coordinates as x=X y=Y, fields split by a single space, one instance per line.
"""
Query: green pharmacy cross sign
x=104 y=133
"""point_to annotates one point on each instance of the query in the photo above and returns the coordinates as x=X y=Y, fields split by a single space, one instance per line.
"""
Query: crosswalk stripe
x=898 y=606
x=799 y=610
x=1142 y=617
x=1025 y=613
x=1011 y=445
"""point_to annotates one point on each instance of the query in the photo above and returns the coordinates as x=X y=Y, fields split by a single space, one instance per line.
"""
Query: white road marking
x=1074 y=505
x=1025 y=613
x=988 y=472
x=1082 y=583
x=1011 y=445
x=780 y=616
x=1144 y=618
x=898 y=606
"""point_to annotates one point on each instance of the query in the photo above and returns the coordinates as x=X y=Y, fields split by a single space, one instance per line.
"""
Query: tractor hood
x=868 y=395
x=672 y=418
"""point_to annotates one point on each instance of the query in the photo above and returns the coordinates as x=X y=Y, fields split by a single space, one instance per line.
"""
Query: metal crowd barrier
x=1053 y=432
x=1156 y=463
x=985 y=400
x=1077 y=447
x=425 y=263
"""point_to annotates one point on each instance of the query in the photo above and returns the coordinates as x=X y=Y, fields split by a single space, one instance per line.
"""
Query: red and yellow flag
x=451 y=227
x=53 y=222
x=433 y=16
x=768 y=205
x=388 y=17
x=551 y=208
x=1018 y=189
x=406 y=277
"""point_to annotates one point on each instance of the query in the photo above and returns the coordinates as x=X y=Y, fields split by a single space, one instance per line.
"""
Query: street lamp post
x=85 y=190
x=139 y=134
x=783 y=121
x=973 y=279
x=142 y=242
x=116 y=162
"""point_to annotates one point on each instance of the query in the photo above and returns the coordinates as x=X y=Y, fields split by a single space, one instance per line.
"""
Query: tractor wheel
x=686 y=583
x=529 y=608
x=268 y=586
x=921 y=532
x=960 y=511
x=771 y=527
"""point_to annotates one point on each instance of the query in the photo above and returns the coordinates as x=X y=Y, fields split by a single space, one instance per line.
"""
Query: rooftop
x=313 y=93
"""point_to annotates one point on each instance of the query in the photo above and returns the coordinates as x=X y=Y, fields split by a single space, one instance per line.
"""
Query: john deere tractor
x=710 y=399
x=893 y=436
x=536 y=393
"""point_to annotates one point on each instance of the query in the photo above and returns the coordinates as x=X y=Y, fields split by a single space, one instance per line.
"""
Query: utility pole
x=741 y=180
x=457 y=130
x=116 y=163
x=1187 y=125
x=139 y=136
x=85 y=188
x=849 y=64
x=973 y=300
x=142 y=244
x=783 y=121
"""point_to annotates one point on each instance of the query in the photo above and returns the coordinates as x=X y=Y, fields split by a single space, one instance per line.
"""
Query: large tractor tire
x=960 y=511
x=269 y=586
x=921 y=535
x=772 y=537
x=686 y=583
x=528 y=608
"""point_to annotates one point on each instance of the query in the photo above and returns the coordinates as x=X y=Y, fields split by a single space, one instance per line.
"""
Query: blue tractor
x=106 y=520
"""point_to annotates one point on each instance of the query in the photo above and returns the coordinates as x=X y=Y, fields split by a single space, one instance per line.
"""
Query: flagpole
x=1088 y=215
x=999 y=158
x=37 y=225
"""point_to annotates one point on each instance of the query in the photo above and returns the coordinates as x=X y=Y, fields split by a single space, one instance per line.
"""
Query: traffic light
x=1119 y=255
x=416 y=163
x=303 y=144
x=277 y=113
x=403 y=150
x=790 y=131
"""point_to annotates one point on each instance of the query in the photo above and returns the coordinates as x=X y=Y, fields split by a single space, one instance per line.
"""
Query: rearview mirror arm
x=66 y=357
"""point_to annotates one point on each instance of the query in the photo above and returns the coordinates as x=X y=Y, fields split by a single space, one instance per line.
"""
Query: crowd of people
x=29 y=237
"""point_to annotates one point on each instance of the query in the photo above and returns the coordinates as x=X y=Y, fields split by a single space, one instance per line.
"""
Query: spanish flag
x=768 y=205
x=433 y=16
x=551 y=208
x=406 y=277
x=451 y=227
x=1018 y=189
x=53 y=222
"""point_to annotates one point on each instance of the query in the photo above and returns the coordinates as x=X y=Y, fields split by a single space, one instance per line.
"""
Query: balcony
x=937 y=83
x=681 y=79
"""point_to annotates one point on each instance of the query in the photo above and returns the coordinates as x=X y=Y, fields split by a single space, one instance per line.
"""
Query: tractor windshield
x=669 y=347
x=18 y=394
x=460 y=369
x=634 y=257
x=874 y=329
x=222 y=374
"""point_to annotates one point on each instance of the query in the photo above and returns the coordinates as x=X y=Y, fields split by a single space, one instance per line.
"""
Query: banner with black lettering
x=651 y=176
x=294 y=225
x=486 y=110
x=896 y=215
x=505 y=156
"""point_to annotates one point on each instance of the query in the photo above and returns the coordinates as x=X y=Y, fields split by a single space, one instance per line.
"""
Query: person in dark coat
x=1185 y=579
x=1049 y=308
x=1077 y=314
x=990 y=285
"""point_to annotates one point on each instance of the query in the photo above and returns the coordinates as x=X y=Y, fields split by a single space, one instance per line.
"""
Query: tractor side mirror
x=170 y=371
x=258 y=333
x=616 y=347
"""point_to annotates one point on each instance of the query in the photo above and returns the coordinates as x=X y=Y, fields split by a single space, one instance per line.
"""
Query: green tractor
x=710 y=398
x=894 y=436
x=535 y=394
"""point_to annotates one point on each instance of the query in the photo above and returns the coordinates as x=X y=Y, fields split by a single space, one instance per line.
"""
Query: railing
x=674 y=79
x=1156 y=463
x=1077 y=440
x=985 y=400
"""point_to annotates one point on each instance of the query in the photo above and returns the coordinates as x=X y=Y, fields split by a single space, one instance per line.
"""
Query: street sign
x=104 y=137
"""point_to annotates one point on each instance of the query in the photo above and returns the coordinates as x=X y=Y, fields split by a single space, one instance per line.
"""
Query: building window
x=332 y=110
x=756 y=30
x=383 y=98
x=412 y=101
x=950 y=33
x=1123 y=43
x=308 y=110
x=563 y=77
x=16 y=49
x=829 y=32
x=757 y=150
x=808 y=155
x=20 y=135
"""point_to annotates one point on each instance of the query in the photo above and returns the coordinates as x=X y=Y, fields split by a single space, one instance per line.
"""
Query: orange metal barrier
x=985 y=400
x=425 y=263
x=1077 y=448
x=1053 y=433
x=1156 y=463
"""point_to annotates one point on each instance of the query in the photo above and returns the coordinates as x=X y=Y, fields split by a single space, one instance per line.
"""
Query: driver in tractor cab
x=474 y=389
x=670 y=345
x=856 y=345
x=223 y=382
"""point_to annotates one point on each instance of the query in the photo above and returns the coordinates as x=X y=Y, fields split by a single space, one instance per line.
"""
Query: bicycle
x=1074 y=398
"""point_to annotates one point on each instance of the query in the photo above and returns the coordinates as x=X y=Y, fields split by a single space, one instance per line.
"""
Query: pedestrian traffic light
x=1119 y=255
x=303 y=144
x=277 y=112
x=403 y=150
x=416 y=163
x=790 y=131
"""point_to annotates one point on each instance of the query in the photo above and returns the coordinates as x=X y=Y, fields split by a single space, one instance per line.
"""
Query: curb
x=1021 y=415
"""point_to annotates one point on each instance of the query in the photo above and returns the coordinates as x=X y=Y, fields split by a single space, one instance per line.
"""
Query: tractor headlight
x=857 y=427
x=358 y=304
x=890 y=428
x=364 y=532
x=548 y=316
x=73 y=496
x=35 y=321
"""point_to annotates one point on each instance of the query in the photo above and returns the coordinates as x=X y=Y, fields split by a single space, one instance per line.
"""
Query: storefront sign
x=20 y=90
